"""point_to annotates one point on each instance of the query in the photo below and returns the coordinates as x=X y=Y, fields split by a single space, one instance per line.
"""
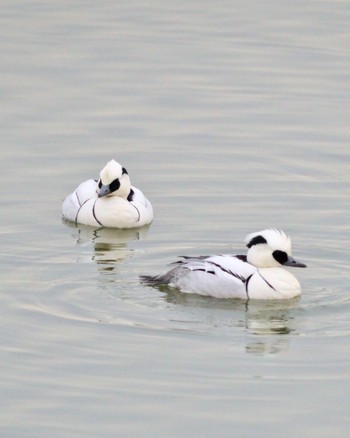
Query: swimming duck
x=258 y=275
x=109 y=202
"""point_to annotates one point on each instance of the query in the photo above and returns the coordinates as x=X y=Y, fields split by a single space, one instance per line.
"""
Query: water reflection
x=268 y=324
x=110 y=245
x=271 y=317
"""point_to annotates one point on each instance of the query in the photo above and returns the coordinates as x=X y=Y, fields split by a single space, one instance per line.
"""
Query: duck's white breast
x=119 y=213
x=273 y=284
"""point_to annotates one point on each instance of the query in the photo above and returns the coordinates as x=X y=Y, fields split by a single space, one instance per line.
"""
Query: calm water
x=231 y=117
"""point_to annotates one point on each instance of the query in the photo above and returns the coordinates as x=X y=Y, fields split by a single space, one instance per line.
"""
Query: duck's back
x=221 y=276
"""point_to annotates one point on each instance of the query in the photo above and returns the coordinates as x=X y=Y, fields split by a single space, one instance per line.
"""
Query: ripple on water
x=112 y=293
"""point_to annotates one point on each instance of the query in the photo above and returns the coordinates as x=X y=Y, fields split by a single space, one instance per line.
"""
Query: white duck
x=109 y=202
x=259 y=275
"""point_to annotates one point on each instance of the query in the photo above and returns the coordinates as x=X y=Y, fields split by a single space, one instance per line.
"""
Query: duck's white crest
x=258 y=275
x=109 y=202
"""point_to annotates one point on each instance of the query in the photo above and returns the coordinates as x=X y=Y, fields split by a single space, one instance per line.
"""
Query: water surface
x=232 y=118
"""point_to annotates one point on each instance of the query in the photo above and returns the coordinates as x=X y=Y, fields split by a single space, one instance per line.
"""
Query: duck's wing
x=73 y=202
x=227 y=266
x=221 y=276
x=86 y=190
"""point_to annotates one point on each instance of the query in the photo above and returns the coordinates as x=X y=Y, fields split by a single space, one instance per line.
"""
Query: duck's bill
x=103 y=191
x=295 y=263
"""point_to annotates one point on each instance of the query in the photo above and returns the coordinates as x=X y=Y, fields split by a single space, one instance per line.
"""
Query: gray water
x=231 y=116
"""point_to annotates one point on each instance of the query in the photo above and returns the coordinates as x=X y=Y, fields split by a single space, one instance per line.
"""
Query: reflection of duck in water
x=109 y=202
x=268 y=325
x=259 y=275
x=110 y=244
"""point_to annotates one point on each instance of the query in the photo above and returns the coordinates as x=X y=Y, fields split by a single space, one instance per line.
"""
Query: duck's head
x=114 y=181
x=270 y=248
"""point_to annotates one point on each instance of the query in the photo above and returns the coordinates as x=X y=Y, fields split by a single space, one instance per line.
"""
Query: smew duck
x=257 y=275
x=110 y=201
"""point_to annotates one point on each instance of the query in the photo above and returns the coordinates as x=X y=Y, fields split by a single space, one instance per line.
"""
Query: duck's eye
x=280 y=256
x=114 y=185
x=99 y=184
x=124 y=171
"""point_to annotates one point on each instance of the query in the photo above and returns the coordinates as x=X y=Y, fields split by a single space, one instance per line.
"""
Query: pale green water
x=231 y=117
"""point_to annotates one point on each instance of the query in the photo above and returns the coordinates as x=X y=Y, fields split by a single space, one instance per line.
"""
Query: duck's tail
x=150 y=280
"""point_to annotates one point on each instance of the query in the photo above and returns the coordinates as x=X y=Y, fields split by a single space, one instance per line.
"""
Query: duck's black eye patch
x=280 y=256
x=124 y=171
x=99 y=184
x=114 y=185
x=256 y=240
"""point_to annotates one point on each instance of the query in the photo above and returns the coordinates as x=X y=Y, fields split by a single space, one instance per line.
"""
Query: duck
x=111 y=201
x=259 y=275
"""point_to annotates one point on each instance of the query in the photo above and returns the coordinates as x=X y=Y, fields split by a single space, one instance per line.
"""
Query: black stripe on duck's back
x=203 y=270
x=187 y=259
x=243 y=258
x=228 y=271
